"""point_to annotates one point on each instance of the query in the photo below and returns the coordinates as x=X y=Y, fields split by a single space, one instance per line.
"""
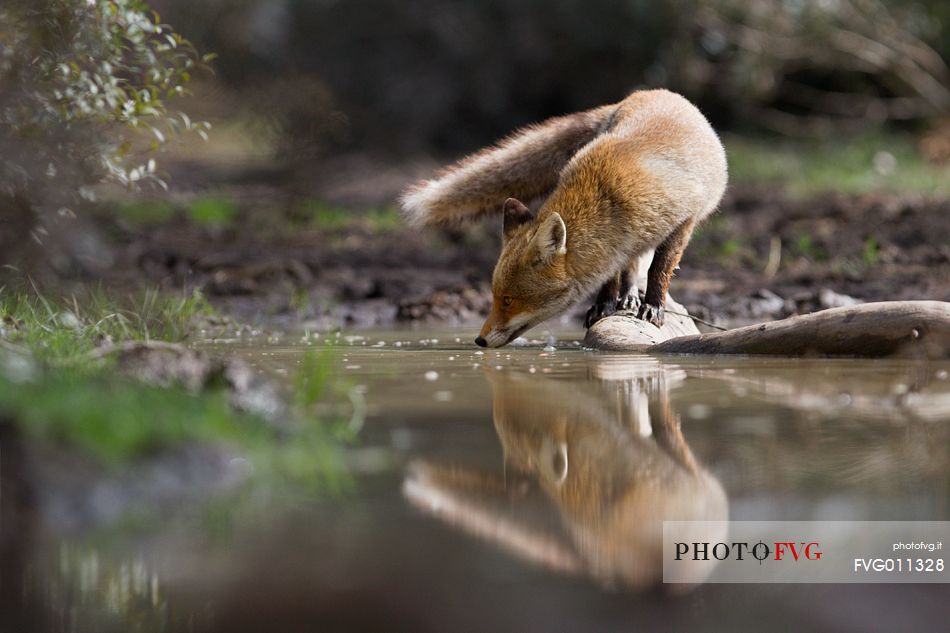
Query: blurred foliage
x=217 y=210
x=214 y=211
x=429 y=74
x=146 y=210
x=873 y=161
x=814 y=67
x=871 y=252
x=443 y=76
x=114 y=419
x=83 y=93
x=117 y=420
x=805 y=247
x=58 y=389
x=322 y=215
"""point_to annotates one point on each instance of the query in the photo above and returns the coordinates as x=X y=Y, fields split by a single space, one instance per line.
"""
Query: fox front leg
x=629 y=296
x=606 y=302
x=651 y=314
x=665 y=261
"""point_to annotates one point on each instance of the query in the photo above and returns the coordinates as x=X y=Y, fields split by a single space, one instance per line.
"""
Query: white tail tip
x=419 y=203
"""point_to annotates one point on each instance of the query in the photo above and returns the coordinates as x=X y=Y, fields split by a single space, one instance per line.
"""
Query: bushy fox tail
x=525 y=165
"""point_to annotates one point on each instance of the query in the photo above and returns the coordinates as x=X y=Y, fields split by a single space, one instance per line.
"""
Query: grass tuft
x=65 y=327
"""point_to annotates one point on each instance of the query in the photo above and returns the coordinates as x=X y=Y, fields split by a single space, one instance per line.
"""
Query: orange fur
x=525 y=165
x=652 y=164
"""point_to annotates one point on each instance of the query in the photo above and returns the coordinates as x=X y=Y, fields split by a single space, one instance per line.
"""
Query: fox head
x=530 y=283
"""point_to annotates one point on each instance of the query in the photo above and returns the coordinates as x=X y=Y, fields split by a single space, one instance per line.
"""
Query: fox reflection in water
x=611 y=460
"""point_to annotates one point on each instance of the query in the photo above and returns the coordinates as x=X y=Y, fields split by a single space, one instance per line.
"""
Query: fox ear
x=551 y=239
x=515 y=214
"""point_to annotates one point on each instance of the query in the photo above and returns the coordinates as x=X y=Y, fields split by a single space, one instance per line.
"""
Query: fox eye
x=506 y=300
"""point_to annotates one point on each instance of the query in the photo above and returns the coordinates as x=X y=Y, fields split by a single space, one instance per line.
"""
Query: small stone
x=828 y=298
x=69 y=320
x=766 y=303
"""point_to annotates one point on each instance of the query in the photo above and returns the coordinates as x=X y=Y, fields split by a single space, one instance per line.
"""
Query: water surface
x=522 y=489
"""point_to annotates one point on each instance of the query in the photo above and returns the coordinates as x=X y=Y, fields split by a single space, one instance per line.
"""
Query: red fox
x=616 y=182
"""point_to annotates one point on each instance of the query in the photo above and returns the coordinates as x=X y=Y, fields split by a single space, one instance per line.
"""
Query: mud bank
x=764 y=256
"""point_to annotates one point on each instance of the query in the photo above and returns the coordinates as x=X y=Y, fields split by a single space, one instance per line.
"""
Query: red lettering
x=781 y=547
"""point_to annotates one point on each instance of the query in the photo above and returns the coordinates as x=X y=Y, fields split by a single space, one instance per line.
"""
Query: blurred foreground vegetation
x=61 y=331
x=58 y=389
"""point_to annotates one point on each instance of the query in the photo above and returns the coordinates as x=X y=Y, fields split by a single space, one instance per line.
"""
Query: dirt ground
x=764 y=256
x=829 y=248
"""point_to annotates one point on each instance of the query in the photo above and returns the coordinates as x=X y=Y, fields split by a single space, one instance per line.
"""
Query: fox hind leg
x=606 y=302
x=629 y=295
x=665 y=261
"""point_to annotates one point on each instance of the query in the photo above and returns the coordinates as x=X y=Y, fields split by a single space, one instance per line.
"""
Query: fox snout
x=491 y=336
x=495 y=338
x=498 y=334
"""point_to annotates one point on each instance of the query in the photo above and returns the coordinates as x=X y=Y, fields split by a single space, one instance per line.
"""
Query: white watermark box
x=805 y=551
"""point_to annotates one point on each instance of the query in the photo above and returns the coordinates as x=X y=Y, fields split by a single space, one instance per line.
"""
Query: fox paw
x=629 y=301
x=599 y=311
x=651 y=314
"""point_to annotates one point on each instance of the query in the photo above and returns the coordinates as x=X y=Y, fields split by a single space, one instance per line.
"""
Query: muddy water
x=521 y=489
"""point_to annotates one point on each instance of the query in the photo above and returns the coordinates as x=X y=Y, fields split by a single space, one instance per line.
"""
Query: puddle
x=520 y=489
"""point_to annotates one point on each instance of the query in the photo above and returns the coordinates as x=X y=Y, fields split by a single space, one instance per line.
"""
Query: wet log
x=915 y=329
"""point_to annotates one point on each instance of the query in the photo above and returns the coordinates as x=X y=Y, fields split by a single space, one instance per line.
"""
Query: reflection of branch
x=871 y=400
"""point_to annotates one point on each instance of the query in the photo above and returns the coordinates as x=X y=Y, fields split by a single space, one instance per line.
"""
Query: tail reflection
x=608 y=457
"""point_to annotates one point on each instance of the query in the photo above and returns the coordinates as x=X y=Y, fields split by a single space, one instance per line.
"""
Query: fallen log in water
x=916 y=329
x=624 y=332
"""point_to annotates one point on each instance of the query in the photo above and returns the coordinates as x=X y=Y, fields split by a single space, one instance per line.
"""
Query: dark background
x=445 y=75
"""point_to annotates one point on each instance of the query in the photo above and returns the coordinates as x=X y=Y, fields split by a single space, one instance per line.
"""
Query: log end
x=624 y=332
